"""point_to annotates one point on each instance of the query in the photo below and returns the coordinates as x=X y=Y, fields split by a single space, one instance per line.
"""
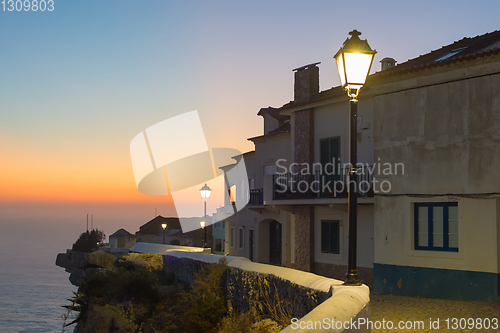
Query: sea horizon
x=32 y=288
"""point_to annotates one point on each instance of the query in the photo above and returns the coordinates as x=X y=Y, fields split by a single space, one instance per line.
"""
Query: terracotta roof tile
x=462 y=50
x=274 y=113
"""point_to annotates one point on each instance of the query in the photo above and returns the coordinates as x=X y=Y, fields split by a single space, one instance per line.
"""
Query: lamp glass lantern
x=164 y=226
x=205 y=192
x=354 y=60
x=202 y=224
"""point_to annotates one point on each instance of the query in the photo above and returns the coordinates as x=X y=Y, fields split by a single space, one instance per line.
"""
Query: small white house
x=121 y=239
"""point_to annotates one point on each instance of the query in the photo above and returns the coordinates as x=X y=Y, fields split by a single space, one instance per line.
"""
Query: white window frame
x=325 y=257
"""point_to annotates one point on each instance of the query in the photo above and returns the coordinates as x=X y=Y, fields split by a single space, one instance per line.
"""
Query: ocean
x=32 y=287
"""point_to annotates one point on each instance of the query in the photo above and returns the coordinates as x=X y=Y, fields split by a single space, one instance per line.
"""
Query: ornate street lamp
x=164 y=226
x=354 y=60
x=205 y=192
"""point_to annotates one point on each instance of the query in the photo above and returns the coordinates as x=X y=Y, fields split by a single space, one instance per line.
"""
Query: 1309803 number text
x=27 y=5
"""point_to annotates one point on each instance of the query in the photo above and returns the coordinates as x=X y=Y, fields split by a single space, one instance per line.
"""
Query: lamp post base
x=351 y=279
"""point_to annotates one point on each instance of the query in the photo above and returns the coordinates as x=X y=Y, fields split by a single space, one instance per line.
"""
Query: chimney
x=387 y=63
x=306 y=83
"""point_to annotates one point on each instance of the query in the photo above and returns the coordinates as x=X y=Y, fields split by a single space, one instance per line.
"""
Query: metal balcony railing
x=256 y=197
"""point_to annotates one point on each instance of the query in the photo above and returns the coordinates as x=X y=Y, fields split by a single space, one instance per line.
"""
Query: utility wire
x=489 y=195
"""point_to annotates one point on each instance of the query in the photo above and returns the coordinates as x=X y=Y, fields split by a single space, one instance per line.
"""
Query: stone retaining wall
x=307 y=296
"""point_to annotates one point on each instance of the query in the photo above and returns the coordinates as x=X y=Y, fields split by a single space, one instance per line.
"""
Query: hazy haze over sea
x=32 y=287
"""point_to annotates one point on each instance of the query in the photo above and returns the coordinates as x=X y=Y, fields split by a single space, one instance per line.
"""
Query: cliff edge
x=81 y=265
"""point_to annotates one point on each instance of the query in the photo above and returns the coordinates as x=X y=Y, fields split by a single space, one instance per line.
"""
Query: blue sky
x=92 y=63
x=77 y=84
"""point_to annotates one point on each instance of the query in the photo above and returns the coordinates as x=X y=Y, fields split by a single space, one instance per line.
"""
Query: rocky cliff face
x=111 y=288
x=81 y=265
x=72 y=262
x=141 y=292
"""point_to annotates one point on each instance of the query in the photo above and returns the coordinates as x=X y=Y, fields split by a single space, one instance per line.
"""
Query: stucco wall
x=477 y=223
x=125 y=242
x=443 y=124
x=445 y=128
x=332 y=120
x=447 y=135
x=365 y=234
x=258 y=221
x=267 y=151
x=498 y=236
x=469 y=274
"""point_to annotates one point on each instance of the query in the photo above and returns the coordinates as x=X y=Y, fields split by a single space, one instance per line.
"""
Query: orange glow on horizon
x=32 y=177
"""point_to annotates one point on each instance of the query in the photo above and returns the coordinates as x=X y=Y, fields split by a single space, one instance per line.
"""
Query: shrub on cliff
x=122 y=286
x=151 y=262
x=100 y=259
x=89 y=241
x=207 y=304
x=150 y=301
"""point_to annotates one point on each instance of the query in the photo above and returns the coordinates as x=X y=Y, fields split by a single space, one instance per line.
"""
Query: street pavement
x=411 y=309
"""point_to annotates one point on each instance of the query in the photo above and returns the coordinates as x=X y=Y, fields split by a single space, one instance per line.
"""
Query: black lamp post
x=354 y=60
x=164 y=226
x=205 y=192
x=202 y=224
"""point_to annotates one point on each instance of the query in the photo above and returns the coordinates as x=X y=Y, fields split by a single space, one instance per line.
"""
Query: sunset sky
x=77 y=84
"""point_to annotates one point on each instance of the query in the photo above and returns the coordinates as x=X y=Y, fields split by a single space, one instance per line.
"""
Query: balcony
x=320 y=186
x=256 y=197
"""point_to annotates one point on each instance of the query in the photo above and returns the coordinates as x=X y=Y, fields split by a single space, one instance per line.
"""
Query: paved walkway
x=402 y=308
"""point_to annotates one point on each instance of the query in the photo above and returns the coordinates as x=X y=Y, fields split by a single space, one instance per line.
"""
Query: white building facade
x=429 y=209
x=437 y=234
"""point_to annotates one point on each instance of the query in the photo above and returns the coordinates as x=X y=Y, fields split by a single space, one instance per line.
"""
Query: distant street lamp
x=205 y=192
x=354 y=60
x=164 y=226
x=202 y=223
